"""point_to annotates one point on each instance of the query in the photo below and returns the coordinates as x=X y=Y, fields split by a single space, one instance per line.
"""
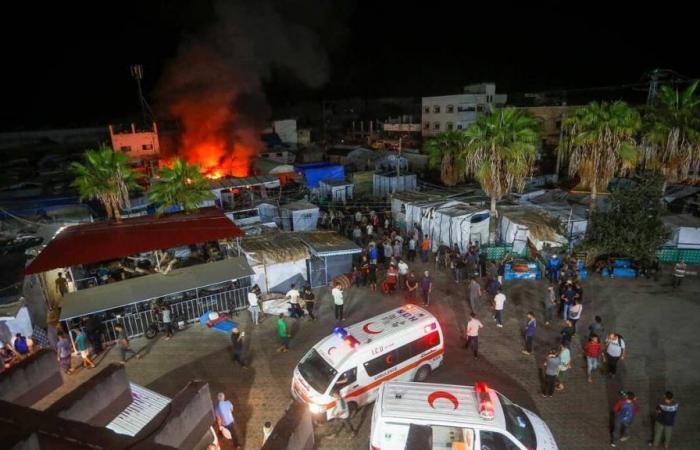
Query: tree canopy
x=182 y=184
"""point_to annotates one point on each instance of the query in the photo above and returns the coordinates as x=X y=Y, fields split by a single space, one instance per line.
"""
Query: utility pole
x=562 y=119
x=653 y=87
x=137 y=74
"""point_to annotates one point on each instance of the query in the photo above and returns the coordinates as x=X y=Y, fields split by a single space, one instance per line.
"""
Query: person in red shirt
x=592 y=349
x=392 y=277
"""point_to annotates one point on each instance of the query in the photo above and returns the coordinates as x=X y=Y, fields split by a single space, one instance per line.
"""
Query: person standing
x=575 y=311
x=357 y=234
x=412 y=249
x=293 y=296
x=81 y=345
x=530 y=329
x=499 y=301
x=567 y=334
x=665 y=417
x=550 y=304
x=398 y=249
x=123 y=343
x=64 y=351
x=596 y=328
x=567 y=298
x=372 y=276
x=624 y=411
x=426 y=286
x=403 y=273
x=337 y=293
x=474 y=294
x=614 y=352
x=283 y=334
x=61 y=285
x=166 y=314
x=237 y=346
x=592 y=349
x=364 y=269
x=310 y=300
x=425 y=248
x=253 y=305
x=224 y=417
x=341 y=412
x=473 y=327
x=679 y=272
x=564 y=365
x=411 y=287
x=482 y=261
x=551 y=369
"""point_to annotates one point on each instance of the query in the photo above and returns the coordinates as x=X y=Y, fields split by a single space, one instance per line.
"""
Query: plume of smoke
x=214 y=85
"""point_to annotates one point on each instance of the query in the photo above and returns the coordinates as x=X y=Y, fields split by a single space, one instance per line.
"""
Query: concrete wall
x=98 y=400
x=189 y=417
x=32 y=379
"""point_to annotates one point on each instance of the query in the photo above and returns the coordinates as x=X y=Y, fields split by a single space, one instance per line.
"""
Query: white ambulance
x=442 y=416
x=402 y=344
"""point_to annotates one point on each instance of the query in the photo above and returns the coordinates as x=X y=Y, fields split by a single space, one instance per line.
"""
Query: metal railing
x=136 y=324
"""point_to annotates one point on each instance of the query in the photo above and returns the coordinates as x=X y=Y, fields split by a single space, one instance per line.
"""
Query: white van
x=402 y=344
x=442 y=416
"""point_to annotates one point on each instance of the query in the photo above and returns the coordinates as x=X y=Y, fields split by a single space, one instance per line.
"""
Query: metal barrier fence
x=188 y=310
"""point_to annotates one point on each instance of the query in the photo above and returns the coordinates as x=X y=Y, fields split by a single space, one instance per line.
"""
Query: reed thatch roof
x=274 y=248
x=541 y=225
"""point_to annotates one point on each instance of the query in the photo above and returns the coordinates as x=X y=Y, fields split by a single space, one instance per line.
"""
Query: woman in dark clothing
x=310 y=300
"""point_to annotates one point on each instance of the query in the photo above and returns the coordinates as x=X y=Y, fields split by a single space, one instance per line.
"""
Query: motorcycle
x=158 y=326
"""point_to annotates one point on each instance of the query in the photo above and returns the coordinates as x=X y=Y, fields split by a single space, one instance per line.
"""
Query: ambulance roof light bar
x=340 y=332
x=483 y=398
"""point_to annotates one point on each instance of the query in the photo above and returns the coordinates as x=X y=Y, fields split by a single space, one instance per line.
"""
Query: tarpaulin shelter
x=387 y=182
x=315 y=172
x=331 y=255
x=277 y=258
x=522 y=224
x=102 y=241
x=298 y=216
x=459 y=223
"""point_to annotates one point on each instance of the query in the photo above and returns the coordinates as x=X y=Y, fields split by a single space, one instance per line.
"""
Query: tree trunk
x=108 y=208
x=117 y=213
x=594 y=195
x=493 y=221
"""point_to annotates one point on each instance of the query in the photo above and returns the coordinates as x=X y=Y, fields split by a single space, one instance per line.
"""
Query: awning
x=137 y=290
x=102 y=241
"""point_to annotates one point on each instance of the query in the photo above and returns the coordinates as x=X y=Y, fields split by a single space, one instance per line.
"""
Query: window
x=450 y=126
x=517 y=423
x=426 y=125
x=480 y=108
x=316 y=371
x=405 y=352
x=436 y=109
x=425 y=343
x=347 y=378
x=381 y=363
x=492 y=440
x=125 y=148
x=426 y=109
x=466 y=108
x=147 y=147
x=436 y=126
x=450 y=108
x=459 y=126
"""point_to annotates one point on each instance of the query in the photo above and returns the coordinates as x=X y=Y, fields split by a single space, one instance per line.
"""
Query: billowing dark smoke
x=214 y=86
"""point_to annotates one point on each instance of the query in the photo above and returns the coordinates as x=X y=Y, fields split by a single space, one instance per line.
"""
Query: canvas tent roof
x=336 y=182
x=137 y=290
x=315 y=172
x=101 y=241
x=299 y=205
x=541 y=226
x=328 y=243
x=274 y=248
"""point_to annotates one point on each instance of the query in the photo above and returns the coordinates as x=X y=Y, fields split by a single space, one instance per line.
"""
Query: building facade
x=456 y=112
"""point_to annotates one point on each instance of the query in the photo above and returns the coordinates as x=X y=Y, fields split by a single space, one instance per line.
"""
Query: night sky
x=67 y=64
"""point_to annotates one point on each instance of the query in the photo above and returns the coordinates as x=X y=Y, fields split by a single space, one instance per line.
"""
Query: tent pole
x=155 y=253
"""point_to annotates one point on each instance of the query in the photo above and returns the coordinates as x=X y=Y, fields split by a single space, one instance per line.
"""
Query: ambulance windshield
x=317 y=372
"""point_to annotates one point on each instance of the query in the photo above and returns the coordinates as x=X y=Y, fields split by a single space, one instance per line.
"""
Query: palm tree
x=500 y=148
x=182 y=184
x=672 y=133
x=601 y=143
x=444 y=152
x=105 y=176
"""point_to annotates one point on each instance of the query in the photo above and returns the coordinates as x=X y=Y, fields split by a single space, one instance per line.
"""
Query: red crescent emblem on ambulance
x=330 y=350
x=442 y=394
x=367 y=330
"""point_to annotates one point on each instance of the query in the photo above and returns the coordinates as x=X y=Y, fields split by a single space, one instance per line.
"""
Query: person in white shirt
x=575 y=311
x=293 y=296
x=370 y=229
x=337 y=294
x=403 y=271
x=499 y=301
x=358 y=217
x=412 y=249
x=473 y=327
x=253 y=307
x=614 y=352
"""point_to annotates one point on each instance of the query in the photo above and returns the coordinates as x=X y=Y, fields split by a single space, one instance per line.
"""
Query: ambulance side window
x=381 y=363
x=425 y=343
x=347 y=378
x=491 y=440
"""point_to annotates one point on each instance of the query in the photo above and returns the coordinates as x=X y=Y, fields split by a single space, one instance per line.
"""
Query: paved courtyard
x=658 y=324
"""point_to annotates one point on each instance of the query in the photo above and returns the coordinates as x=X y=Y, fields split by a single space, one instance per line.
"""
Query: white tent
x=459 y=223
x=339 y=191
x=685 y=231
x=278 y=260
x=14 y=318
x=520 y=225
x=299 y=216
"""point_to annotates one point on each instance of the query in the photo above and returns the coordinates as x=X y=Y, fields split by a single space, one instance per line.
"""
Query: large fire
x=213 y=137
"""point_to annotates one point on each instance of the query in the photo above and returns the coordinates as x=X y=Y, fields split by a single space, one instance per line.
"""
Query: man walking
x=412 y=249
x=498 y=303
x=310 y=301
x=551 y=369
x=614 y=352
x=237 y=345
x=665 y=417
x=597 y=328
x=473 y=327
x=293 y=296
x=426 y=285
x=592 y=349
x=341 y=412
x=166 y=314
x=224 y=418
x=403 y=272
x=530 y=329
x=283 y=334
x=474 y=294
x=81 y=345
x=253 y=305
x=624 y=411
x=679 y=272
x=61 y=285
x=123 y=343
x=564 y=365
x=337 y=293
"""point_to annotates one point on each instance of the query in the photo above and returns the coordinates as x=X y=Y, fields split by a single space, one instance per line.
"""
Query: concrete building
x=136 y=144
x=456 y=112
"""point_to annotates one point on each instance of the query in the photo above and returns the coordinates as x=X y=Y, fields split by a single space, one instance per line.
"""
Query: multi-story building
x=456 y=112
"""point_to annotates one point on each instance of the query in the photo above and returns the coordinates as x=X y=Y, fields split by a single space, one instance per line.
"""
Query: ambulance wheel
x=422 y=373
x=352 y=409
